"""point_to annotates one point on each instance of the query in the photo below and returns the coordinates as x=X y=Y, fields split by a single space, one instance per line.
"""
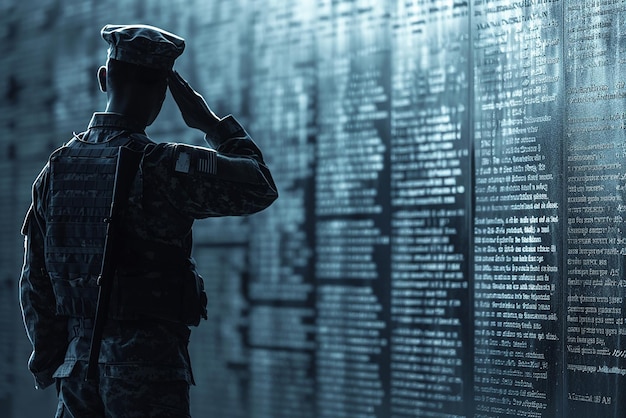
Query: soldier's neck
x=131 y=109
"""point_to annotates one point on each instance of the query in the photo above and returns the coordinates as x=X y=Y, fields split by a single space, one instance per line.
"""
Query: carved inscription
x=595 y=150
x=280 y=334
x=430 y=189
x=351 y=217
x=517 y=58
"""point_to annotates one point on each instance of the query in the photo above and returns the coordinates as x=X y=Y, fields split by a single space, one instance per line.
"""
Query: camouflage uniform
x=145 y=358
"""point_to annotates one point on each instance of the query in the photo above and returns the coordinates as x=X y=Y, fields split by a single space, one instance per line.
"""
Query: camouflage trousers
x=120 y=398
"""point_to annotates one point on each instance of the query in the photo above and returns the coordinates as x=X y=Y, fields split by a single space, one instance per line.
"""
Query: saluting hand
x=194 y=109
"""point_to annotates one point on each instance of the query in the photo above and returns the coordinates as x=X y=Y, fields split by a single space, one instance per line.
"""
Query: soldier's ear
x=102 y=78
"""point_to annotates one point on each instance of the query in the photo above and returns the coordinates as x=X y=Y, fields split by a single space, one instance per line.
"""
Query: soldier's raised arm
x=229 y=177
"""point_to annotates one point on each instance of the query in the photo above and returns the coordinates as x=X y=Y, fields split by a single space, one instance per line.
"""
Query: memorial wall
x=450 y=233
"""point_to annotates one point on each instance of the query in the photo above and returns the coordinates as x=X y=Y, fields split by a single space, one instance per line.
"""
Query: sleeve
x=230 y=179
x=47 y=331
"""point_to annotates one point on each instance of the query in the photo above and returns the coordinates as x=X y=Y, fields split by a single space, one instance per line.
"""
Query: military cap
x=143 y=45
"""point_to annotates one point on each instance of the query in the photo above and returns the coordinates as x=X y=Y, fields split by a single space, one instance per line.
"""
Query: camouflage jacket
x=172 y=189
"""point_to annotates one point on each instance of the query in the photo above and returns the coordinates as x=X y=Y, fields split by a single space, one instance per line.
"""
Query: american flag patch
x=190 y=159
x=207 y=162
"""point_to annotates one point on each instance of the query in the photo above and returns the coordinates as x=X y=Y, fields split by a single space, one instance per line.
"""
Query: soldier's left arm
x=47 y=331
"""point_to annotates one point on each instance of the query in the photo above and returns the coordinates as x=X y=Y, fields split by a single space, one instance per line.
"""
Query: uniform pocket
x=65 y=369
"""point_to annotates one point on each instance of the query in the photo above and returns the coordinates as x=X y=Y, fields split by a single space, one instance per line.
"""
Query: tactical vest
x=81 y=183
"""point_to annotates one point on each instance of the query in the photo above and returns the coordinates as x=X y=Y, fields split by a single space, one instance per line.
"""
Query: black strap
x=128 y=162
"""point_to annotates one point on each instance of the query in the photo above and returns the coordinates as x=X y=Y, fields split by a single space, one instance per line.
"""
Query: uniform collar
x=115 y=120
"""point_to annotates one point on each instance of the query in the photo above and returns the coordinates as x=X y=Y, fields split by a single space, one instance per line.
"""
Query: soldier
x=143 y=367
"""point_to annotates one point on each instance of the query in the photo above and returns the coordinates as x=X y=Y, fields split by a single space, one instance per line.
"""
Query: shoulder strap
x=128 y=162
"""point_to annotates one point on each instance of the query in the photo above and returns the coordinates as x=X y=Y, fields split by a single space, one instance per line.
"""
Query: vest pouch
x=194 y=299
x=75 y=297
